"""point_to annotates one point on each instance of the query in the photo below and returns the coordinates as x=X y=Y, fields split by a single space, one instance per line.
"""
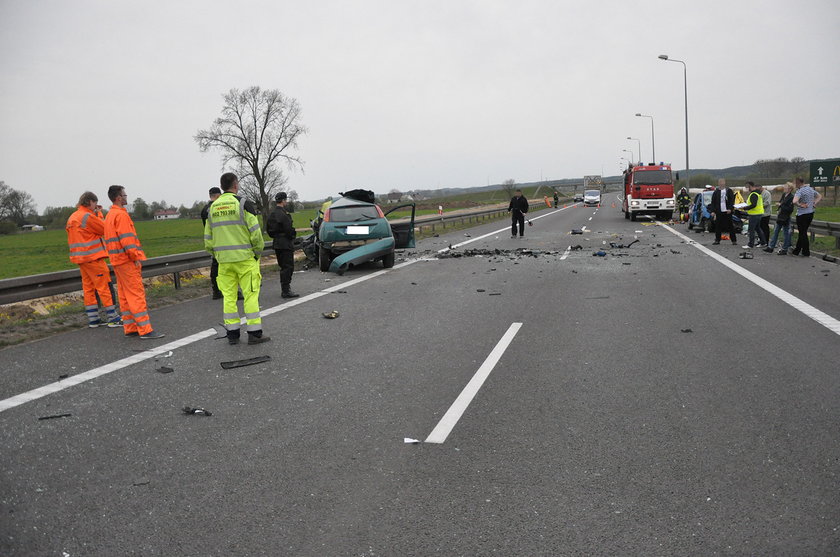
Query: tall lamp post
x=629 y=151
x=685 y=91
x=652 y=138
x=639 y=141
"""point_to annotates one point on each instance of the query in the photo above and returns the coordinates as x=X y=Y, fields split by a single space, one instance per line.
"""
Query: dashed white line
x=448 y=421
x=566 y=253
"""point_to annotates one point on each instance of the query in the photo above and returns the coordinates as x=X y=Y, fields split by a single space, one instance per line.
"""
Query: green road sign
x=825 y=173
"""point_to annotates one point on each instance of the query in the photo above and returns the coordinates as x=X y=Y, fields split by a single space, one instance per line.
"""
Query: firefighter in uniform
x=232 y=234
x=683 y=201
x=85 y=229
x=126 y=255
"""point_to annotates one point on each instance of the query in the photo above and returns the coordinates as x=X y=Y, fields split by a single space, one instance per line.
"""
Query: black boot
x=257 y=337
x=233 y=337
x=217 y=294
x=287 y=292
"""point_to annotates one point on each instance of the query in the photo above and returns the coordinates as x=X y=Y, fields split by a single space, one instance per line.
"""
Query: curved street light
x=685 y=91
x=639 y=141
x=652 y=139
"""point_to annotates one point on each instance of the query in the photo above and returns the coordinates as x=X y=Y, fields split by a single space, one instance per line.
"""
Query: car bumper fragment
x=362 y=253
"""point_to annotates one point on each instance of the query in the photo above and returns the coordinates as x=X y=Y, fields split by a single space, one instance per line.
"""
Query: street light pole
x=685 y=91
x=639 y=141
x=628 y=151
x=652 y=137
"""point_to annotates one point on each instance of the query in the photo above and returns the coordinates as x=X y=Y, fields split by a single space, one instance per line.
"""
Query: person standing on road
x=683 y=201
x=517 y=209
x=784 y=221
x=214 y=265
x=126 y=255
x=755 y=210
x=85 y=231
x=805 y=200
x=721 y=206
x=767 y=199
x=556 y=200
x=281 y=229
x=232 y=234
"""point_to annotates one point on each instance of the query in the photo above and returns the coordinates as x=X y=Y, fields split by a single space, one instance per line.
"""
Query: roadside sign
x=825 y=173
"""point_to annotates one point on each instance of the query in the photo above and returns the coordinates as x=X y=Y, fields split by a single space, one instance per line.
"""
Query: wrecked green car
x=354 y=230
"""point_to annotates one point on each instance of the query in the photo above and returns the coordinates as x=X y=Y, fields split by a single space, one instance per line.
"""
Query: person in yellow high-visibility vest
x=234 y=237
x=755 y=210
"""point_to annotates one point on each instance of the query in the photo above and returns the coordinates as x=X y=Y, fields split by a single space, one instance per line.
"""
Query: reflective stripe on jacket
x=121 y=237
x=756 y=204
x=231 y=233
x=84 y=236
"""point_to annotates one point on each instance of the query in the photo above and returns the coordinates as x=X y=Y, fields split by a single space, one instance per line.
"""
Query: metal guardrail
x=19 y=289
x=820 y=227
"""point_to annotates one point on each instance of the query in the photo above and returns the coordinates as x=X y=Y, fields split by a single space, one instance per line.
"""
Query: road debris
x=63 y=376
x=686 y=331
x=411 y=441
x=54 y=416
x=577 y=231
x=164 y=369
x=331 y=314
x=480 y=290
x=242 y=363
x=142 y=481
x=600 y=253
x=198 y=411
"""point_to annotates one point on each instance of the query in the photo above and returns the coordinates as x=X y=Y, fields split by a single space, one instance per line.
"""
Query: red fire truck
x=649 y=190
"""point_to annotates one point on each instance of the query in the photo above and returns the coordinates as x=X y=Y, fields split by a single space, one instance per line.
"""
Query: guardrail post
x=177 y=279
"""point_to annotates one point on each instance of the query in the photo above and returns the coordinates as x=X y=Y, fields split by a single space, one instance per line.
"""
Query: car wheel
x=324 y=259
x=388 y=260
x=633 y=217
x=690 y=226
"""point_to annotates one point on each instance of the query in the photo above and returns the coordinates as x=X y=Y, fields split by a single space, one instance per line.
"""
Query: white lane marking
x=583 y=229
x=448 y=421
x=590 y=218
x=820 y=317
x=566 y=253
x=554 y=212
x=83 y=377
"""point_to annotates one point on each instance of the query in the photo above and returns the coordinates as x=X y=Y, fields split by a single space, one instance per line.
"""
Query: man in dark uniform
x=556 y=200
x=280 y=228
x=517 y=209
x=214 y=265
x=722 y=205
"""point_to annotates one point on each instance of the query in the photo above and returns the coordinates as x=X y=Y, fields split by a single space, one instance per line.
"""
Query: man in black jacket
x=214 y=265
x=517 y=209
x=280 y=228
x=722 y=205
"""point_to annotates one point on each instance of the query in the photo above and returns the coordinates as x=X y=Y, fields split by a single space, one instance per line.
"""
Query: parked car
x=578 y=197
x=354 y=230
x=699 y=217
x=592 y=198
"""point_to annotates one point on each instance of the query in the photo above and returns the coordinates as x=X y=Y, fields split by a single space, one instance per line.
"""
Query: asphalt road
x=654 y=401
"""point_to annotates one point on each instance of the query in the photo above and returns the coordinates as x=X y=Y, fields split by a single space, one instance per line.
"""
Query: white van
x=592 y=198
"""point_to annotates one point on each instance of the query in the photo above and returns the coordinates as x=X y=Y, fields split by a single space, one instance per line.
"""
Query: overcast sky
x=406 y=95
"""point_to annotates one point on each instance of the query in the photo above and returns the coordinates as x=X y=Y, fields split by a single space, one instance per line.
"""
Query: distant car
x=591 y=198
x=578 y=197
x=354 y=231
x=698 y=213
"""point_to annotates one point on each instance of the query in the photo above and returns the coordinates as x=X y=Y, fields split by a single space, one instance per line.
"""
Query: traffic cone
x=724 y=236
x=613 y=205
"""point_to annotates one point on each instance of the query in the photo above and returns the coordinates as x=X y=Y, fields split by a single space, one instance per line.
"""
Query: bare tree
x=509 y=187
x=15 y=205
x=257 y=133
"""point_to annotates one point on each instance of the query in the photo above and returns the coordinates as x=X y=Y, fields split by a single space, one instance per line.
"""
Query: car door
x=403 y=231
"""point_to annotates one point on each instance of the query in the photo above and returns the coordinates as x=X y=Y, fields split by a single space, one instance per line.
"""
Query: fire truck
x=649 y=190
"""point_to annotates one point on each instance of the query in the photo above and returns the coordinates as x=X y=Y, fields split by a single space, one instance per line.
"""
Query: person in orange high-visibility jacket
x=85 y=229
x=126 y=255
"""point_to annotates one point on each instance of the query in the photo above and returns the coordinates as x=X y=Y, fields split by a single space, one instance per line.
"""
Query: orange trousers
x=95 y=279
x=132 y=295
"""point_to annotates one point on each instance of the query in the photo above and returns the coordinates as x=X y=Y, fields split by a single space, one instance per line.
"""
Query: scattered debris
x=411 y=441
x=625 y=263
x=247 y=362
x=143 y=481
x=622 y=246
x=495 y=294
x=686 y=331
x=576 y=247
x=164 y=369
x=414 y=284
x=467 y=235
x=480 y=290
x=745 y=255
x=63 y=376
x=331 y=314
x=340 y=292
x=168 y=354
x=597 y=298
x=54 y=416
x=577 y=231
x=196 y=411
x=676 y=252
x=600 y=253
